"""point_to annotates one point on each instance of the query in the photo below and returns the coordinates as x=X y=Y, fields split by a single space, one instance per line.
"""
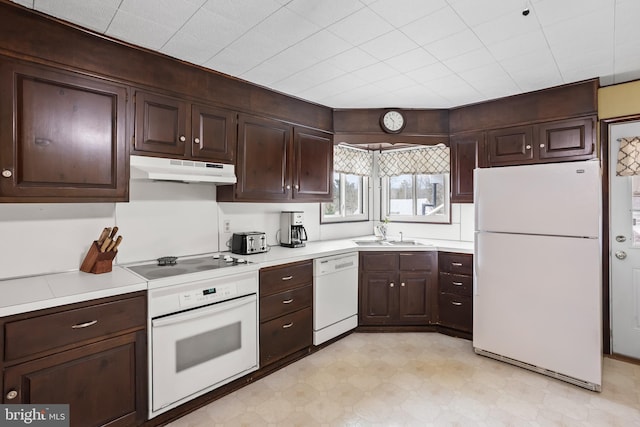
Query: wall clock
x=392 y=121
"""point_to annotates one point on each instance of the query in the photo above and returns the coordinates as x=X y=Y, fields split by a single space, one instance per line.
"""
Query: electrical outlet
x=226 y=225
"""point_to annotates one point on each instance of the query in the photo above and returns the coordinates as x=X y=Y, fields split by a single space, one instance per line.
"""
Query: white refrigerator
x=537 y=300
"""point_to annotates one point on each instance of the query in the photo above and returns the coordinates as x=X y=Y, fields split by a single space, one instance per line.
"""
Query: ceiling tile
x=297 y=28
x=245 y=13
x=388 y=45
x=550 y=12
x=402 y=12
x=93 y=14
x=326 y=12
x=454 y=45
x=395 y=82
x=322 y=45
x=295 y=83
x=411 y=60
x=474 y=12
x=429 y=73
x=519 y=45
x=360 y=27
x=26 y=3
x=490 y=73
x=375 y=72
x=352 y=59
x=417 y=95
x=505 y=27
x=320 y=73
x=168 y=13
x=436 y=26
x=139 y=31
x=470 y=60
x=332 y=87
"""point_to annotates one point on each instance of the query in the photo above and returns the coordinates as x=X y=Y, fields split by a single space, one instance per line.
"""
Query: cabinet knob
x=182 y=138
x=12 y=394
x=391 y=285
x=288 y=187
x=541 y=145
x=528 y=147
x=402 y=284
x=6 y=173
x=196 y=140
x=297 y=187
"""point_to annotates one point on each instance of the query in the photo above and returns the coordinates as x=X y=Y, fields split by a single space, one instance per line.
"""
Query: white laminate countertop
x=26 y=294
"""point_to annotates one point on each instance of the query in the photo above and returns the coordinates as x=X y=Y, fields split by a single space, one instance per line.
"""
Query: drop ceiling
x=380 y=53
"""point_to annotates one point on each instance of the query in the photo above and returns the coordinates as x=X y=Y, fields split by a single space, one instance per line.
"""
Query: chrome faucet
x=382 y=229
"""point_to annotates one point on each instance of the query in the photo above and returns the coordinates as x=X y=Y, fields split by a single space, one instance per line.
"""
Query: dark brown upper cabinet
x=464 y=159
x=63 y=136
x=280 y=162
x=176 y=127
x=557 y=141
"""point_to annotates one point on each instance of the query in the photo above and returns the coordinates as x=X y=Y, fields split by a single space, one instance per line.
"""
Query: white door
x=624 y=258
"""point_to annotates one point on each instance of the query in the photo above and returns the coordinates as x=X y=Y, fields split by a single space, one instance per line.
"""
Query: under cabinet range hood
x=164 y=169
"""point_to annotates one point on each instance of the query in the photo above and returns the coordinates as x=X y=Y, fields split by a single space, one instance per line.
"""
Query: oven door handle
x=203 y=312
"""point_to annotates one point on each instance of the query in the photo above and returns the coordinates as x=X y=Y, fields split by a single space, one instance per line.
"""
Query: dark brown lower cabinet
x=397 y=288
x=286 y=310
x=455 y=302
x=102 y=374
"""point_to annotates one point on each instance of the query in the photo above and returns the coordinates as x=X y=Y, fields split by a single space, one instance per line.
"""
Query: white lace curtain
x=421 y=160
x=354 y=161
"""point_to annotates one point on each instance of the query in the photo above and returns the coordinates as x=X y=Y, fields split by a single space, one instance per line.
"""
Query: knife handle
x=105 y=244
x=115 y=244
x=112 y=235
x=104 y=235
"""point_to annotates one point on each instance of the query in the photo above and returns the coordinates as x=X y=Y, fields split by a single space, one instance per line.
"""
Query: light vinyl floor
x=420 y=379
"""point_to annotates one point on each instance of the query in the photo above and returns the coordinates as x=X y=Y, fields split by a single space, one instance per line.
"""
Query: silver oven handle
x=203 y=312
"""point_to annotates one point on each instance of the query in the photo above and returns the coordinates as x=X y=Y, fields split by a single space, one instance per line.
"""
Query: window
x=416 y=197
x=415 y=184
x=350 y=199
x=352 y=168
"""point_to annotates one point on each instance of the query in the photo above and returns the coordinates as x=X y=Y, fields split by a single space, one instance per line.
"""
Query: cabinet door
x=285 y=335
x=263 y=159
x=313 y=165
x=455 y=311
x=510 y=146
x=103 y=383
x=464 y=155
x=213 y=133
x=566 y=139
x=378 y=298
x=415 y=298
x=63 y=136
x=160 y=124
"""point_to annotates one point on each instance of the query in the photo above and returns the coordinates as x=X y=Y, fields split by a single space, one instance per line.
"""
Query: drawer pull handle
x=12 y=394
x=287 y=278
x=456 y=283
x=288 y=325
x=456 y=303
x=84 y=325
x=288 y=301
x=456 y=264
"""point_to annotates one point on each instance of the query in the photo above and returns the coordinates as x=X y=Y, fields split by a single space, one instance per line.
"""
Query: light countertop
x=21 y=295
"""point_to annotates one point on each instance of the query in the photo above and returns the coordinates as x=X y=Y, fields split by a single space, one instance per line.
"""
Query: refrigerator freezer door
x=557 y=199
x=537 y=299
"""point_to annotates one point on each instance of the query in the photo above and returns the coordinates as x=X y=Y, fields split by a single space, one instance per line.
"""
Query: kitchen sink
x=389 y=243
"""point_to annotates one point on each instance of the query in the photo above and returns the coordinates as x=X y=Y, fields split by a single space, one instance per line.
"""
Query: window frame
x=424 y=219
x=343 y=217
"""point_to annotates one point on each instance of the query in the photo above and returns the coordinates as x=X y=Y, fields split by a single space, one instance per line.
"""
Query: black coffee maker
x=292 y=232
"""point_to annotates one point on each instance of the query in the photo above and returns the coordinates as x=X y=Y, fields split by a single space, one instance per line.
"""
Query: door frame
x=605 y=124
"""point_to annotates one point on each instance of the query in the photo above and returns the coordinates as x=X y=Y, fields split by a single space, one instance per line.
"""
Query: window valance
x=421 y=160
x=350 y=160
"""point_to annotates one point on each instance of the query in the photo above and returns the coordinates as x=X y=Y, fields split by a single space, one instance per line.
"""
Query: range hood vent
x=163 y=169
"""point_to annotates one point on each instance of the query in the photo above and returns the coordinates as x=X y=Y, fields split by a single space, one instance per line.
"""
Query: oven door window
x=198 y=349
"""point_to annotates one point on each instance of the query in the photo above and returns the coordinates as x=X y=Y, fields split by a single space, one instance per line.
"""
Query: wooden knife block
x=97 y=262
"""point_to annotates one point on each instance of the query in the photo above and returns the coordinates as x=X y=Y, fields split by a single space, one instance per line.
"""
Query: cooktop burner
x=173 y=266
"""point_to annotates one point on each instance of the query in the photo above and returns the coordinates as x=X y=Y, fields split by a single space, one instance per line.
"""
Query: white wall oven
x=203 y=331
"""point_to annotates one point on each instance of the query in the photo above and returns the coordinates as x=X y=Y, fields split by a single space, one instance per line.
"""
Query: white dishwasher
x=335 y=296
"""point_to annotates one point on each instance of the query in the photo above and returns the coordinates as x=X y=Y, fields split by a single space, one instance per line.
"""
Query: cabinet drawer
x=285 y=335
x=282 y=278
x=416 y=261
x=50 y=331
x=285 y=302
x=456 y=284
x=456 y=312
x=456 y=263
x=378 y=261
